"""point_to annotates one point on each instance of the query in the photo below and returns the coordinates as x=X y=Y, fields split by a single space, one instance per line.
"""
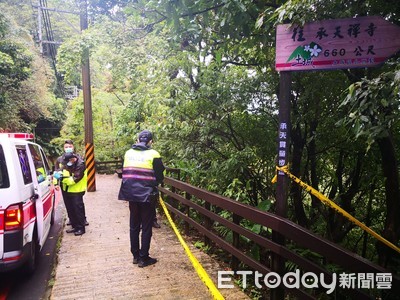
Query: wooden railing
x=187 y=202
x=108 y=167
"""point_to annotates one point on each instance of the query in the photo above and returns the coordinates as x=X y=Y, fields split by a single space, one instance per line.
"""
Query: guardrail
x=187 y=202
x=108 y=167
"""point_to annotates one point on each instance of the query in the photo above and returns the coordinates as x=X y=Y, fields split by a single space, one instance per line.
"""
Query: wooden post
x=235 y=262
x=278 y=263
x=187 y=212
x=207 y=223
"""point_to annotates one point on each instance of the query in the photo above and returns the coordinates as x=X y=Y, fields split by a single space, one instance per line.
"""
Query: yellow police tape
x=333 y=205
x=197 y=266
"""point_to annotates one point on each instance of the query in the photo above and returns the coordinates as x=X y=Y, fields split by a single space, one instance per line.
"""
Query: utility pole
x=87 y=104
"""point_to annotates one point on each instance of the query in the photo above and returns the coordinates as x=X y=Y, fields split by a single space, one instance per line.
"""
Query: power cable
x=51 y=46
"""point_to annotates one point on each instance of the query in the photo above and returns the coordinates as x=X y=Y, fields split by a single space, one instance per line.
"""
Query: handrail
x=109 y=167
x=115 y=166
x=292 y=231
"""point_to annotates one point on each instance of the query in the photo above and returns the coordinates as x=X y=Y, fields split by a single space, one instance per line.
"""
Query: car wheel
x=53 y=211
x=31 y=263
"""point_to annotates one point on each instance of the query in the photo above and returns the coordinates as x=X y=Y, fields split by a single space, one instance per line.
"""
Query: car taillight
x=13 y=217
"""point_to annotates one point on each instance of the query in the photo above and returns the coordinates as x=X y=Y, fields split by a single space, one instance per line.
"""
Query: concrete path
x=98 y=264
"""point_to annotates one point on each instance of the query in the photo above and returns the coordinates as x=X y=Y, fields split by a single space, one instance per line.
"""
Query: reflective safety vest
x=41 y=174
x=138 y=177
x=70 y=186
x=138 y=165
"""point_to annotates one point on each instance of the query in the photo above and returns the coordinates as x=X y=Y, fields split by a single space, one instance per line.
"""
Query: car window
x=4 y=179
x=40 y=167
x=46 y=163
x=24 y=164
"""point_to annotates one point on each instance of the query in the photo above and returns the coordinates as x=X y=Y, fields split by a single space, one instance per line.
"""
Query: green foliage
x=25 y=101
x=15 y=62
x=72 y=53
x=202 y=246
x=200 y=75
x=302 y=11
x=372 y=107
x=106 y=109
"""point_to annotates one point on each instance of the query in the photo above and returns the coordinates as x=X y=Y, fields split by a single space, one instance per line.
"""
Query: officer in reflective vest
x=68 y=148
x=73 y=185
x=142 y=172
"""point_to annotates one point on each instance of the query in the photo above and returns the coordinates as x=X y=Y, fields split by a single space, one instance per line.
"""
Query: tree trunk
x=312 y=154
x=368 y=220
x=339 y=225
x=295 y=190
x=392 y=223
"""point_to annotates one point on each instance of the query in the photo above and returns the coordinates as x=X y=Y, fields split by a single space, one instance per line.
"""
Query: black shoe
x=156 y=225
x=146 y=262
x=86 y=223
x=79 y=232
x=135 y=261
x=71 y=230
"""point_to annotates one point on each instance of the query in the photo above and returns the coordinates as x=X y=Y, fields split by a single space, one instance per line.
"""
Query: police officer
x=68 y=148
x=73 y=186
x=142 y=172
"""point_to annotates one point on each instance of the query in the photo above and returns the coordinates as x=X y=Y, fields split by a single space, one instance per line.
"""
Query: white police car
x=26 y=201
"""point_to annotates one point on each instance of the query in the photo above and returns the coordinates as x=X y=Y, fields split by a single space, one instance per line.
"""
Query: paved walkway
x=98 y=265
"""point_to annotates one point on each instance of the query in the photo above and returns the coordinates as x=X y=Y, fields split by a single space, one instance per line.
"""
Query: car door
x=42 y=187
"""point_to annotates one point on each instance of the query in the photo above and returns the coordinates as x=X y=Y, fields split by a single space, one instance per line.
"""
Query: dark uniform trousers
x=76 y=209
x=67 y=204
x=141 y=213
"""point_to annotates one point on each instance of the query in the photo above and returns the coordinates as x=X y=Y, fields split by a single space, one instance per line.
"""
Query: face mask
x=69 y=150
x=69 y=164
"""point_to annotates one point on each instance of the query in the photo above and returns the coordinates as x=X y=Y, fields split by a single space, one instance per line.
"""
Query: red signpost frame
x=336 y=44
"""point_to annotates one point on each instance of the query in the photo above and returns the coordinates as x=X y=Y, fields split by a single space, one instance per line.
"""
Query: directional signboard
x=336 y=44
